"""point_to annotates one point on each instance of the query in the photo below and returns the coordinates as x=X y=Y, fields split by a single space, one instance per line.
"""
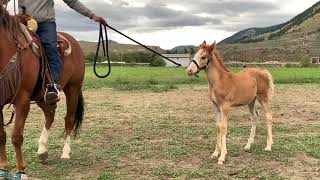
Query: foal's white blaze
x=192 y=68
x=43 y=141
x=66 y=149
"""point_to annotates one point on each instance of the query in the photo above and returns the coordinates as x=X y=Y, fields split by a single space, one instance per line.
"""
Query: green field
x=162 y=78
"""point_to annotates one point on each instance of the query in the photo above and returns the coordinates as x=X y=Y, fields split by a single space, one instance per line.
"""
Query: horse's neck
x=215 y=72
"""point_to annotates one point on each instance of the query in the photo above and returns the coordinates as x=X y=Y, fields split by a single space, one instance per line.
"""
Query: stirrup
x=52 y=97
x=4 y=174
x=20 y=176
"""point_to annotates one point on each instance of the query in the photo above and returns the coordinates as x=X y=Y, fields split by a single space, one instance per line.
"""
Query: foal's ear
x=213 y=46
x=203 y=44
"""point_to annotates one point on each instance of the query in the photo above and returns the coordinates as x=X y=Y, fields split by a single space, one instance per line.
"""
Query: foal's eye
x=203 y=58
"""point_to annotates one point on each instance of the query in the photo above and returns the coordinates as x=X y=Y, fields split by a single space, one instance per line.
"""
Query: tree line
x=128 y=57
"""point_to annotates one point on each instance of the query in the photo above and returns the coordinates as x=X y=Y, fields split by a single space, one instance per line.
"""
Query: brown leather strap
x=48 y=74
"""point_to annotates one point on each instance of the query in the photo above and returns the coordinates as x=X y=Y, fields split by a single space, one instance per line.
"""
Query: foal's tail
x=270 y=83
x=79 y=114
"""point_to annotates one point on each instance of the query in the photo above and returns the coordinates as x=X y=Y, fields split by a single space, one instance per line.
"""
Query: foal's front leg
x=223 y=131
x=217 y=114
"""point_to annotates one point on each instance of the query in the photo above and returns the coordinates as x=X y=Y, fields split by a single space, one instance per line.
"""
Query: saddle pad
x=33 y=40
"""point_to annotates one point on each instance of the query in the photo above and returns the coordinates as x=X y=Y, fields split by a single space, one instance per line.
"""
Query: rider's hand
x=99 y=19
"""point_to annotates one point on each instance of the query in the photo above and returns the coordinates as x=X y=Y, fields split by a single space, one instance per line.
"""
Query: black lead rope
x=105 y=47
x=155 y=52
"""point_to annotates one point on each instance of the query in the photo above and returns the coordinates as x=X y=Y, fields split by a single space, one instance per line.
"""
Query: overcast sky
x=169 y=23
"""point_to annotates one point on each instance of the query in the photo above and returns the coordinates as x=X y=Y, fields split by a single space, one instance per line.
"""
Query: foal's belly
x=244 y=94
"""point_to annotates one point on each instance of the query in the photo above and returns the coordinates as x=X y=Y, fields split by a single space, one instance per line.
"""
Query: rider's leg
x=47 y=32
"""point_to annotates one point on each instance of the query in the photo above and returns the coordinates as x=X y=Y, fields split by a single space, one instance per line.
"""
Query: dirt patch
x=291 y=104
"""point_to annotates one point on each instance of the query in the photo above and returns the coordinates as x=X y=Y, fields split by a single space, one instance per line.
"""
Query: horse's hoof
x=20 y=176
x=4 y=174
x=44 y=156
x=220 y=162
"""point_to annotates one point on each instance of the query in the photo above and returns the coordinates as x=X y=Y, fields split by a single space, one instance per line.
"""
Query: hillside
x=250 y=33
x=294 y=40
x=272 y=32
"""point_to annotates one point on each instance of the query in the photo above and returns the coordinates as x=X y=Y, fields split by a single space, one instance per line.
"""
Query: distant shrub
x=157 y=62
x=91 y=56
x=289 y=65
x=306 y=62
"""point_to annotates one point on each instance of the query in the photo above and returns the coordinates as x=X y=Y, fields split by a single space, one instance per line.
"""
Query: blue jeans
x=47 y=32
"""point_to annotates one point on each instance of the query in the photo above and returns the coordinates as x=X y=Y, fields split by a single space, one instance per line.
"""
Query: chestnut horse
x=228 y=90
x=12 y=43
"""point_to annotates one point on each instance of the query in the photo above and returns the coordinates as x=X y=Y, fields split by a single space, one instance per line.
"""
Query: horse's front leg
x=3 y=153
x=217 y=114
x=22 y=110
x=223 y=131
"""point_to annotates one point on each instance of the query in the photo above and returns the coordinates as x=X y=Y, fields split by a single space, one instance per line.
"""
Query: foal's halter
x=201 y=68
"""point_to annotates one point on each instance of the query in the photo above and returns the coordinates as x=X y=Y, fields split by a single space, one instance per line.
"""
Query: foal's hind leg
x=3 y=139
x=253 y=116
x=43 y=141
x=265 y=104
x=72 y=94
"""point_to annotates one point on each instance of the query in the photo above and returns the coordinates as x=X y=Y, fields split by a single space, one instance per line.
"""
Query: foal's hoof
x=65 y=157
x=267 y=149
x=220 y=162
x=247 y=148
x=214 y=155
x=44 y=156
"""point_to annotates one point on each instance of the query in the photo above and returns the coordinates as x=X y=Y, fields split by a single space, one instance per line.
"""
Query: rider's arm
x=82 y=9
x=79 y=7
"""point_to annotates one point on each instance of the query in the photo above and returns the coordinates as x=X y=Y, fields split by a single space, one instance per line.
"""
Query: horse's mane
x=9 y=23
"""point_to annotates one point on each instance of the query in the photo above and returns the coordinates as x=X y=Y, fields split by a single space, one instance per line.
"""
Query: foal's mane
x=8 y=23
x=217 y=54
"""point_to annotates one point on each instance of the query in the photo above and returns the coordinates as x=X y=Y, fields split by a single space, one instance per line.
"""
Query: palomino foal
x=228 y=90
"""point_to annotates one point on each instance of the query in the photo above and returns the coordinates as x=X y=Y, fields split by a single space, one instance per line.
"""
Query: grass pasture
x=162 y=79
x=157 y=123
